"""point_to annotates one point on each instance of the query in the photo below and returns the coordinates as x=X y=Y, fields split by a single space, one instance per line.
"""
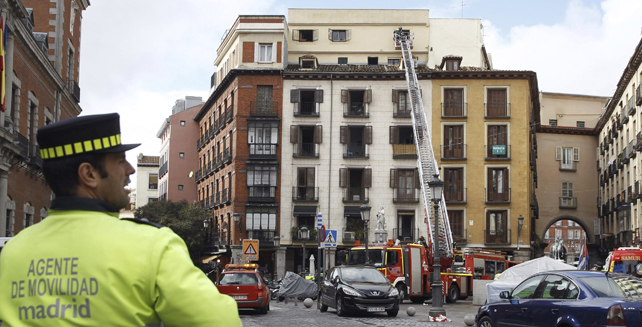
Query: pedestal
x=280 y=262
x=381 y=236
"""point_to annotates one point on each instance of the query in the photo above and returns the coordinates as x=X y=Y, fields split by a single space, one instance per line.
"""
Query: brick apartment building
x=41 y=72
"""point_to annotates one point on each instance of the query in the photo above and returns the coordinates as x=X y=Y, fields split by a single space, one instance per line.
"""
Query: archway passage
x=564 y=236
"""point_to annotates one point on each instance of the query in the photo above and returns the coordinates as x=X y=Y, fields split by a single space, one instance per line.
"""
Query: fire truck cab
x=408 y=268
x=482 y=264
x=626 y=260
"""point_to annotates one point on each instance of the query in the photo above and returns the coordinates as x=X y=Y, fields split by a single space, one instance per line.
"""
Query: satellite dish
x=191 y=174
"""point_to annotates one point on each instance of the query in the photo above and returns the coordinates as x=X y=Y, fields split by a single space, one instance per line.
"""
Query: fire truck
x=627 y=260
x=481 y=263
x=409 y=267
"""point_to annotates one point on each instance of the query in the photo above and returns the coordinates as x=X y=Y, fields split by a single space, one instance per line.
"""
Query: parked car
x=245 y=284
x=567 y=298
x=358 y=289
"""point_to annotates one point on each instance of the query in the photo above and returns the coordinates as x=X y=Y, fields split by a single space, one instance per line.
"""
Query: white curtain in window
x=491 y=226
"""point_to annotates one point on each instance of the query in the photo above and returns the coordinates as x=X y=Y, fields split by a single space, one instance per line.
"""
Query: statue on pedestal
x=381 y=219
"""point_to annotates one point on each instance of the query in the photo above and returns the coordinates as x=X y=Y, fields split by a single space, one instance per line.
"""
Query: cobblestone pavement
x=282 y=314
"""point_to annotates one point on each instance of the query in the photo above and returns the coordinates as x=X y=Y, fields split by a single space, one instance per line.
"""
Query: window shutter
x=506 y=181
x=343 y=134
x=318 y=96
x=395 y=96
x=576 y=154
x=274 y=52
x=417 y=179
x=569 y=186
x=343 y=177
x=348 y=34
x=367 y=137
x=295 y=95
x=295 y=35
x=367 y=96
x=367 y=180
x=315 y=35
x=564 y=190
x=257 y=52
x=330 y=34
x=393 y=178
x=345 y=96
x=558 y=153
x=294 y=134
x=318 y=134
x=394 y=135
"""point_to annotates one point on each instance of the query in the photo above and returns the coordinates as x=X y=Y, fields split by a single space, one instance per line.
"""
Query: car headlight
x=351 y=292
x=394 y=292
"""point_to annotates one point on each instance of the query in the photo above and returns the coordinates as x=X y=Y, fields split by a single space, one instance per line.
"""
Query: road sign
x=330 y=238
x=251 y=250
x=322 y=232
x=319 y=220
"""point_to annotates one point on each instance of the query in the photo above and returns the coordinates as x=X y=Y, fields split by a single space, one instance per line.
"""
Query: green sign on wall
x=499 y=149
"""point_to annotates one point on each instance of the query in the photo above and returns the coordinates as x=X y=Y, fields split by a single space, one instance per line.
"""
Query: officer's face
x=112 y=188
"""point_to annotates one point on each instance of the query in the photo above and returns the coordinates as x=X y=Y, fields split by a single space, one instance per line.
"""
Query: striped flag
x=584 y=257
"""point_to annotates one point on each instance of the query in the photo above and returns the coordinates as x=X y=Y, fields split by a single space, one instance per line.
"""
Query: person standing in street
x=82 y=266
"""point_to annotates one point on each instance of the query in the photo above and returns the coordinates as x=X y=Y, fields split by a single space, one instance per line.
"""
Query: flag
x=584 y=257
x=3 y=33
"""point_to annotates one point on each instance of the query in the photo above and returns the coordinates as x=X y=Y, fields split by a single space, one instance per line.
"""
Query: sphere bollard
x=411 y=311
x=469 y=319
x=308 y=303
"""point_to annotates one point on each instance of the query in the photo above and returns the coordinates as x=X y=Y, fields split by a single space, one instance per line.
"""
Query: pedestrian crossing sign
x=330 y=238
x=251 y=250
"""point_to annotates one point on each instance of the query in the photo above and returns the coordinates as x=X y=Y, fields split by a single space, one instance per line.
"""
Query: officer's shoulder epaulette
x=143 y=221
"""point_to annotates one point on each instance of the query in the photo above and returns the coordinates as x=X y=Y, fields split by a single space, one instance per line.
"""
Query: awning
x=305 y=211
x=352 y=211
x=208 y=259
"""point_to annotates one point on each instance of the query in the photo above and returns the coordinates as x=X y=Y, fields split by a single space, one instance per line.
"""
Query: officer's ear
x=88 y=175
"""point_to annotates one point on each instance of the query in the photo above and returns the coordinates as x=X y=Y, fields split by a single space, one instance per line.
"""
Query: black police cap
x=80 y=135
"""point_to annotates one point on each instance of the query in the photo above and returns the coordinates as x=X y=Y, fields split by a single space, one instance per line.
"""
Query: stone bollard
x=411 y=311
x=308 y=303
x=469 y=319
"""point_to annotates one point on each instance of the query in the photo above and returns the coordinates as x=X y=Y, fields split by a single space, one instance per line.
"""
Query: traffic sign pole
x=320 y=228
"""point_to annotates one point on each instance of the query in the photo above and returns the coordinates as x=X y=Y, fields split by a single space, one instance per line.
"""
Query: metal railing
x=405 y=235
x=355 y=151
x=305 y=150
x=456 y=197
x=355 y=109
x=497 y=152
x=501 y=237
x=263 y=108
x=265 y=237
x=496 y=197
x=261 y=193
x=453 y=151
x=355 y=194
x=404 y=151
x=496 y=111
x=572 y=166
x=406 y=195
x=454 y=109
x=262 y=149
x=306 y=109
x=568 y=202
x=305 y=193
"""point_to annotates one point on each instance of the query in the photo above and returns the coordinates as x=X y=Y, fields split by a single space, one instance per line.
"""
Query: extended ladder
x=426 y=161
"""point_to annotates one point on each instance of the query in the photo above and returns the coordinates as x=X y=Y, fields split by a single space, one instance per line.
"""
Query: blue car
x=571 y=298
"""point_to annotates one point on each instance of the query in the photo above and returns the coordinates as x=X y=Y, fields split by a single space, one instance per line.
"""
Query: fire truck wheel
x=401 y=287
x=453 y=294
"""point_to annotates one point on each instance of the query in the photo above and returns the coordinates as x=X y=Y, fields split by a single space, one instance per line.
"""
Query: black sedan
x=567 y=298
x=358 y=289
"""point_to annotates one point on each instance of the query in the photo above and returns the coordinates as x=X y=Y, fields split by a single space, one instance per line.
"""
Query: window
x=526 y=290
x=457 y=225
x=558 y=223
x=355 y=140
x=567 y=156
x=265 y=52
x=70 y=69
x=182 y=123
x=558 y=233
x=453 y=104
x=150 y=200
x=578 y=234
x=180 y=187
x=261 y=181
x=373 y=61
x=306 y=102
x=343 y=61
x=567 y=199
x=546 y=235
x=498 y=190
x=32 y=123
x=339 y=35
x=181 y=154
x=497 y=103
x=394 y=61
x=570 y=234
x=401 y=106
x=306 y=140
x=452 y=64
x=305 y=35
x=403 y=144
x=497 y=142
x=453 y=147
x=405 y=183
x=580 y=124
x=454 y=185
x=355 y=183
x=554 y=287
x=356 y=102
x=552 y=122
x=264 y=104
x=153 y=181
x=496 y=229
x=260 y=219
x=306 y=189
x=262 y=137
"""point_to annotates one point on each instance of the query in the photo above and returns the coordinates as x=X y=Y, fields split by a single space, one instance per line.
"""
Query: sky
x=138 y=57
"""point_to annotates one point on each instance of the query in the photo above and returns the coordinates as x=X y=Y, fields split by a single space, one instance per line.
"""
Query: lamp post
x=365 y=216
x=304 y=234
x=436 y=187
x=206 y=224
x=520 y=224
x=277 y=244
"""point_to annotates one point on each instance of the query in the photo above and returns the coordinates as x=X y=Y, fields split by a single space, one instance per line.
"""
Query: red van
x=626 y=260
x=244 y=283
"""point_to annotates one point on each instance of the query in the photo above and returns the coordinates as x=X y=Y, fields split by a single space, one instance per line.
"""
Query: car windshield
x=630 y=267
x=238 y=279
x=365 y=275
x=358 y=257
x=614 y=286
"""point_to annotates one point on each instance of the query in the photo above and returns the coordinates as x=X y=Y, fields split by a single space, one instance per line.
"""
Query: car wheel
x=322 y=307
x=340 y=310
x=401 y=288
x=485 y=322
x=392 y=313
x=453 y=294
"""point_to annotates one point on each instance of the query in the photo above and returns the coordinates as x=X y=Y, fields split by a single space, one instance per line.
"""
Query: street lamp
x=365 y=216
x=436 y=188
x=277 y=244
x=520 y=224
x=208 y=233
x=237 y=220
x=304 y=234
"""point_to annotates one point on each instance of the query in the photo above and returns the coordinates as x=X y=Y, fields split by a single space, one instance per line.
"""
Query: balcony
x=303 y=193
x=262 y=150
x=207 y=203
x=501 y=237
x=405 y=195
x=352 y=235
x=629 y=197
x=218 y=199
x=568 y=166
x=454 y=110
x=638 y=144
x=229 y=114
x=568 y=203
x=404 y=151
x=215 y=127
x=405 y=235
x=265 y=237
x=396 y=113
x=74 y=89
x=355 y=194
x=212 y=132
x=497 y=197
x=355 y=151
x=455 y=197
x=261 y=193
x=212 y=203
x=496 y=111
x=305 y=150
x=625 y=116
x=453 y=152
x=306 y=109
x=636 y=191
x=356 y=109
x=227 y=156
x=152 y=186
x=631 y=109
x=225 y=198
x=497 y=152
x=162 y=170
x=221 y=121
x=638 y=96
x=264 y=108
x=459 y=236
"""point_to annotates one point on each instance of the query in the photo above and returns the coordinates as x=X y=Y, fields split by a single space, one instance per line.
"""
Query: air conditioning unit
x=348 y=236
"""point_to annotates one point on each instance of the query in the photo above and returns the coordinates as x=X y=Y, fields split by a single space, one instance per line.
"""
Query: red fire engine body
x=409 y=267
x=482 y=264
x=626 y=260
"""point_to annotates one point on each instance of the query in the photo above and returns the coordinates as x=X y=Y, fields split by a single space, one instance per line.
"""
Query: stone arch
x=582 y=224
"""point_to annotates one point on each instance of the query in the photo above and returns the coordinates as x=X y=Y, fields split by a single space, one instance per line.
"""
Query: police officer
x=82 y=266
